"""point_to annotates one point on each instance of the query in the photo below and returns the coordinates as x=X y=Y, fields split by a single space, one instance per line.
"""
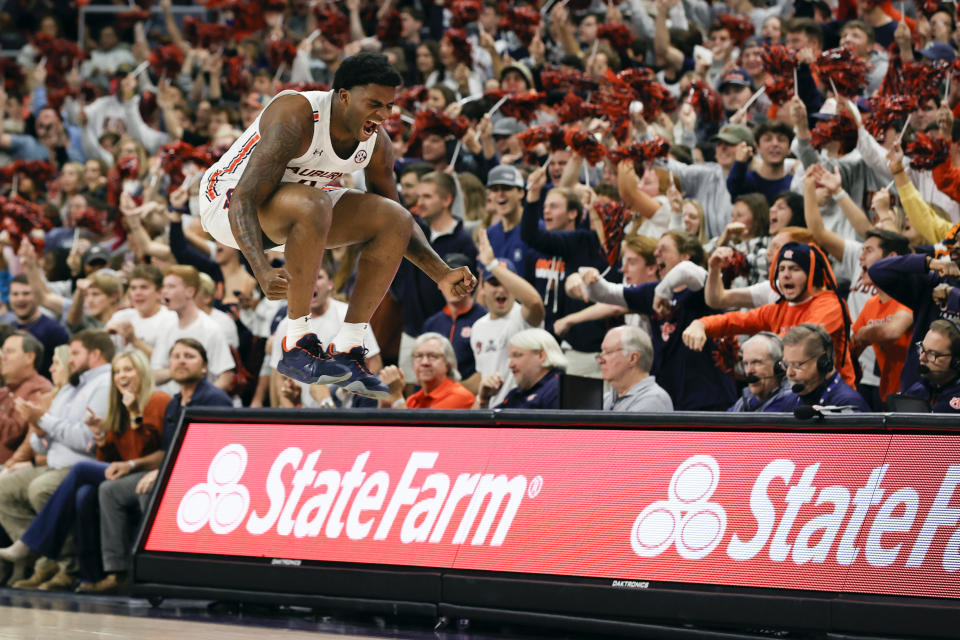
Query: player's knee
x=397 y=219
x=316 y=208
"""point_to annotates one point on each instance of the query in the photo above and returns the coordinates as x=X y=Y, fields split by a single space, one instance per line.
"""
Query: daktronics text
x=857 y=512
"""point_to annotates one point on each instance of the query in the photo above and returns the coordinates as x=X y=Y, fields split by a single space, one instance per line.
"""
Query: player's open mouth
x=370 y=127
x=501 y=300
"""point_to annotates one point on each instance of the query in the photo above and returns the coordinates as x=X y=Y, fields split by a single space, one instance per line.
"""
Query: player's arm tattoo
x=280 y=142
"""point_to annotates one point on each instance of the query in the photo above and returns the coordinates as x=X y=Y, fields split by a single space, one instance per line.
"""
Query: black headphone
x=954 y=358
x=778 y=371
x=825 y=361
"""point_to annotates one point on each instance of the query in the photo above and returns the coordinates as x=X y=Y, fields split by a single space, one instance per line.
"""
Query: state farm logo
x=301 y=500
x=220 y=500
x=686 y=519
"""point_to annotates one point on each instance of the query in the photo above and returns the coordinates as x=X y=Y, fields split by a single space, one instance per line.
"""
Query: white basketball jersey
x=318 y=167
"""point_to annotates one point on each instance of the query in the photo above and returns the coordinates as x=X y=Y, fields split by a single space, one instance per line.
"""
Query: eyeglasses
x=933 y=355
x=797 y=365
x=606 y=354
x=432 y=357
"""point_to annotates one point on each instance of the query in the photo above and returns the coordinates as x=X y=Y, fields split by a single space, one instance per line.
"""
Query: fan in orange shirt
x=808 y=294
x=435 y=365
x=887 y=325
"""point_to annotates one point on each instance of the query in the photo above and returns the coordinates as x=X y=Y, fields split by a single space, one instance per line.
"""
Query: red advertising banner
x=829 y=512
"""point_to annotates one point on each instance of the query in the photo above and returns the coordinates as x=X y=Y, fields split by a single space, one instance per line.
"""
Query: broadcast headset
x=776 y=353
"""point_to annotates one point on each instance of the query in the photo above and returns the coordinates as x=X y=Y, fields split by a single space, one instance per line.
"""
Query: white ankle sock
x=350 y=335
x=296 y=329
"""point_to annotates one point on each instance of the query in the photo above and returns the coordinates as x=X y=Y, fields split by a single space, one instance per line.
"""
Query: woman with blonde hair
x=694 y=220
x=128 y=438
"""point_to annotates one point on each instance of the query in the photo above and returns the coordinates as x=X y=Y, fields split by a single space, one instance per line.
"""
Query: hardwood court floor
x=28 y=615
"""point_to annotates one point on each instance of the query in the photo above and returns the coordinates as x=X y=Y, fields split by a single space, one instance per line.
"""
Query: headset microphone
x=798 y=388
x=923 y=369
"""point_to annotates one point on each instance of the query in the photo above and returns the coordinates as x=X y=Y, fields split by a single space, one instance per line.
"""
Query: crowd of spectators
x=693 y=202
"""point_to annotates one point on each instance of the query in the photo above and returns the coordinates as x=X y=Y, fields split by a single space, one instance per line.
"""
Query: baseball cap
x=520 y=68
x=736 y=76
x=938 y=51
x=507 y=127
x=505 y=175
x=96 y=253
x=734 y=134
x=507 y=262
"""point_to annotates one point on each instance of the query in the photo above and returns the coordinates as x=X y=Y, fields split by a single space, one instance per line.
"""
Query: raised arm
x=666 y=53
x=286 y=129
x=714 y=293
x=827 y=239
x=533 y=310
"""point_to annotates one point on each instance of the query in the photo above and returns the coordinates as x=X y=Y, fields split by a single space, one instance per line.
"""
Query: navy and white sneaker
x=362 y=381
x=307 y=362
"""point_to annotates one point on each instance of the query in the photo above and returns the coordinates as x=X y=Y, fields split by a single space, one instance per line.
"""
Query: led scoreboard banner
x=849 y=525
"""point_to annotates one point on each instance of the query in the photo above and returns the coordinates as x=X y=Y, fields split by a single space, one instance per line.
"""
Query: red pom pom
x=464 y=12
x=640 y=153
x=929 y=7
x=247 y=15
x=585 y=145
x=523 y=21
x=462 y=50
x=705 y=101
x=389 y=28
x=61 y=56
x=410 y=97
x=734 y=267
x=614 y=217
x=740 y=27
x=236 y=79
x=173 y=155
x=19 y=217
x=166 y=61
x=841 y=128
x=887 y=110
x=847 y=70
x=656 y=98
x=574 y=108
x=38 y=171
x=334 y=26
x=435 y=122
x=726 y=353
x=927 y=153
x=393 y=125
x=567 y=79
x=12 y=73
x=779 y=64
x=522 y=106
x=617 y=33
x=552 y=134
x=204 y=35
x=92 y=219
x=281 y=52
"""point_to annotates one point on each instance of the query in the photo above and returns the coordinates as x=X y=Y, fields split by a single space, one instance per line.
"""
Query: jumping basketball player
x=269 y=190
